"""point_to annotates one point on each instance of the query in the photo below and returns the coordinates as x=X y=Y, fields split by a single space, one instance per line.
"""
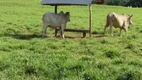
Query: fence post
x=56 y=31
x=90 y=20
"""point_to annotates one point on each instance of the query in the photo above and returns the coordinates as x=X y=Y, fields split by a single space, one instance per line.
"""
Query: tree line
x=133 y=3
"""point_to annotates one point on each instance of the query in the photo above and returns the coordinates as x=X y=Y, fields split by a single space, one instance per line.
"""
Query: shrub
x=112 y=53
x=131 y=75
x=89 y=76
x=118 y=2
x=30 y=70
x=135 y=3
x=3 y=66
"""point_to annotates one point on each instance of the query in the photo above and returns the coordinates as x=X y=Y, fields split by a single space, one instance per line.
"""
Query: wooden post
x=56 y=8
x=90 y=20
x=56 y=31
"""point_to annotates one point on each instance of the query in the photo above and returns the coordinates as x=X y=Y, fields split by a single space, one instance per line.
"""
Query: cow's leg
x=56 y=31
x=111 y=32
x=105 y=29
x=44 y=31
x=126 y=31
x=120 y=32
x=62 y=30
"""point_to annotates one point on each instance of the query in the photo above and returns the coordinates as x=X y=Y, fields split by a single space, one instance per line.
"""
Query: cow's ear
x=131 y=16
x=67 y=13
x=61 y=12
x=123 y=13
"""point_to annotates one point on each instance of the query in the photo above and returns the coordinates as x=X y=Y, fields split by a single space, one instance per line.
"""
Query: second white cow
x=57 y=21
x=118 y=21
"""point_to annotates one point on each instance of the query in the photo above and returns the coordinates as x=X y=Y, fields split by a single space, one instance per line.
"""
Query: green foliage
x=25 y=55
x=134 y=3
x=131 y=75
x=118 y=2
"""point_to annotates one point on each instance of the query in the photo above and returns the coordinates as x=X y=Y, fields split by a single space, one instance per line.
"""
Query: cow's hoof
x=44 y=37
x=120 y=36
x=103 y=35
x=62 y=37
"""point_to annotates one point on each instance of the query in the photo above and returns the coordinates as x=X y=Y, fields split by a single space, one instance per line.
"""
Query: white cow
x=57 y=21
x=118 y=21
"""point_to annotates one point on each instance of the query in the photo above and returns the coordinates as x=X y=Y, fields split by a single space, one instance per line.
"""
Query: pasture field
x=24 y=55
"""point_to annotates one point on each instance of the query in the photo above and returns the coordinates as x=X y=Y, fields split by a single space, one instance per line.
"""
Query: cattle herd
x=59 y=21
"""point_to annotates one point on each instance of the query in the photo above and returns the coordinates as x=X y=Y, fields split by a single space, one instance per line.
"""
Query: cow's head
x=130 y=19
x=67 y=16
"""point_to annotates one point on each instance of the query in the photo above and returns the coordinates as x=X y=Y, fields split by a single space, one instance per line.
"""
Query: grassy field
x=24 y=55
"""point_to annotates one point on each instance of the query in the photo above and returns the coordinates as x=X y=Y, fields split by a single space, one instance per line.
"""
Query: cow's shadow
x=25 y=36
x=31 y=36
x=80 y=36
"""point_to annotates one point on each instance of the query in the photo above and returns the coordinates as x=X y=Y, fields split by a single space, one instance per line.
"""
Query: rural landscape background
x=25 y=55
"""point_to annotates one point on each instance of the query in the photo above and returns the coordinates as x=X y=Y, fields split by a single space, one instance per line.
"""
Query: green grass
x=25 y=55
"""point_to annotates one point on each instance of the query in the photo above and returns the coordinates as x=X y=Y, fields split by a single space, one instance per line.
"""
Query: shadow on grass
x=69 y=37
x=81 y=37
x=24 y=36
